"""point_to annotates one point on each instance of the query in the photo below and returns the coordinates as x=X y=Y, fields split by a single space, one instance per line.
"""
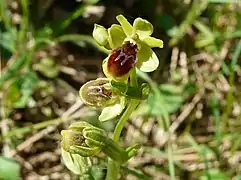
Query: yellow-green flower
x=131 y=47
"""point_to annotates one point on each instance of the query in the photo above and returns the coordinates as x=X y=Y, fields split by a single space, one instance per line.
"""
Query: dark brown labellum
x=122 y=59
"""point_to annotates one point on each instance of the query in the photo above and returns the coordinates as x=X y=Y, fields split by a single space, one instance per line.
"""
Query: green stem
x=24 y=26
x=170 y=161
x=5 y=15
x=112 y=170
x=113 y=167
x=133 y=104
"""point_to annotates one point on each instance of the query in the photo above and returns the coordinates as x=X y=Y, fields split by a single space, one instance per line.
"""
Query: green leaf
x=12 y=94
x=142 y=27
x=27 y=83
x=48 y=67
x=214 y=174
x=153 y=42
x=238 y=177
x=110 y=112
x=8 y=38
x=127 y=27
x=97 y=172
x=75 y=163
x=116 y=36
x=132 y=150
x=100 y=35
x=172 y=97
x=147 y=59
x=9 y=169
x=13 y=69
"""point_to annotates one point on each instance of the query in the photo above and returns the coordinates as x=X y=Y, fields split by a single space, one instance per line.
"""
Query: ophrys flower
x=130 y=45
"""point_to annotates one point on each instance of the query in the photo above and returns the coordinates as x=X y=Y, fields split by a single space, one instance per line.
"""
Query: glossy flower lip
x=122 y=59
x=138 y=34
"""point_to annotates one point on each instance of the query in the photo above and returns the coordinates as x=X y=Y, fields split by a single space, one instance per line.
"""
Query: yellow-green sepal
x=116 y=36
x=147 y=59
x=142 y=27
x=127 y=27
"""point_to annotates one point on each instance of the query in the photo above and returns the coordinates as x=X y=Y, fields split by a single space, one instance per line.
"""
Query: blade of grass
x=230 y=96
x=5 y=15
x=136 y=173
x=200 y=152
x=194 y=12
x=216 y=115
x=170 y=161
x=17 y=64
x=24 y=26
x=76 y=14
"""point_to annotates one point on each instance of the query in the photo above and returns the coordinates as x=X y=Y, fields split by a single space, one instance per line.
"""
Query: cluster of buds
x=87 y=140
x=130 y=48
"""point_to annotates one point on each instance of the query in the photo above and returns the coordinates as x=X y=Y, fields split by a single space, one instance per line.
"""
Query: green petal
x=127 y=27
x=116 y=36
x=110 y=112
x=147 y=59
x=153 y=42
x=142 y=27
x=100 y=35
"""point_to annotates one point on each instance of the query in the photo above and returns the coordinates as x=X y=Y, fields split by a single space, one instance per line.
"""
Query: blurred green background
x=47 y=53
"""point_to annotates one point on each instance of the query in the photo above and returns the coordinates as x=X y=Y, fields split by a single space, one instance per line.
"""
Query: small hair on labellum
x=122 y=59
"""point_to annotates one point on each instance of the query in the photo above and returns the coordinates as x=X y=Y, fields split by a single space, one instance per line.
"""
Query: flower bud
x=97 y=93
x=75 y=140
x=86 y=140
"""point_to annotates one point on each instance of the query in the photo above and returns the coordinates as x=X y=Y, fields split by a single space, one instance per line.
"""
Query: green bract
x=139 y=34
x=76 y=163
